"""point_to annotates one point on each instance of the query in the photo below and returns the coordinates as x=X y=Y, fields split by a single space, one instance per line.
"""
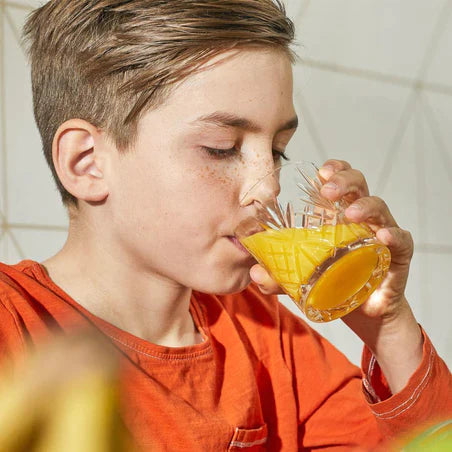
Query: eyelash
x=226 y=153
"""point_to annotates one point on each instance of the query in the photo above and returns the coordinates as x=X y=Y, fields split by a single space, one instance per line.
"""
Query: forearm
x=395 y=342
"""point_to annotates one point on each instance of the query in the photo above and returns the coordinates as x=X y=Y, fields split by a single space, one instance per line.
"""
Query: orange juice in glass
x=327 y=265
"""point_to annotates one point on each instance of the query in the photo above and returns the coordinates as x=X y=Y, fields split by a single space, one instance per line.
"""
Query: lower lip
x=238 y=245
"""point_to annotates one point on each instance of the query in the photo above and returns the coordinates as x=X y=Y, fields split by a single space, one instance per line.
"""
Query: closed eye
x=228 y=153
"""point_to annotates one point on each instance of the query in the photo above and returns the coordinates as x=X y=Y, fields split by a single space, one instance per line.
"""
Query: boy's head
x=158 y=116
x=110 y=61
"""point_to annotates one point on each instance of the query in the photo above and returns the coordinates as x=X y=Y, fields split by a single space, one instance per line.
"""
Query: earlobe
x=79 y=162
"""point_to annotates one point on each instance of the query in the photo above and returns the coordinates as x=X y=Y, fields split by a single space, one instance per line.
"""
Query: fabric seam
x=165 y=358
x=367 y=381
x=242 y=444
x=414 y=396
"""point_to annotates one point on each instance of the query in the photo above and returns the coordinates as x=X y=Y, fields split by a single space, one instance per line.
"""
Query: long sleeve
x=425 y=400
x=338 y=404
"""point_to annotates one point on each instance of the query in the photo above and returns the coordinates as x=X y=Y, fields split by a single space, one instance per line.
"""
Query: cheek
x=177 y=194
x=199 y=207
x=216 y=190
x=209 y=198
x=213 y=179
x=218 y=180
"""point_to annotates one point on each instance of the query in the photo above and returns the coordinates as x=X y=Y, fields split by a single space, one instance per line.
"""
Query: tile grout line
x=393 y=78
x=37 y=227
x=16 y=244
x=413 y=97
x=433 y=248
x=396 y=141
x=381 y=77
x=434 y=40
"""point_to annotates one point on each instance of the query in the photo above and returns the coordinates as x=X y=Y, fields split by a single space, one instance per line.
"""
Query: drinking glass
x=326 y=264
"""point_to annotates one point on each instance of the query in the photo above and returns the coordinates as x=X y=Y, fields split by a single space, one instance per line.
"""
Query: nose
x=262 y=188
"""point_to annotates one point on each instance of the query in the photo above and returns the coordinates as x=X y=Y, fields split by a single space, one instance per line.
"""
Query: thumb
x=267 y=285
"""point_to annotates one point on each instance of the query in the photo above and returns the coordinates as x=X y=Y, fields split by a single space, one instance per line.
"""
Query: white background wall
x=374 y=87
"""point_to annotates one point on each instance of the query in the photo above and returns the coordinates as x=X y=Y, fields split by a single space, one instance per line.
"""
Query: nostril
x=263 y=187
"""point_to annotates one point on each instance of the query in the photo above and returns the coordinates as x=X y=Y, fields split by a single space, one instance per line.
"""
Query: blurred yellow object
x=65 y=399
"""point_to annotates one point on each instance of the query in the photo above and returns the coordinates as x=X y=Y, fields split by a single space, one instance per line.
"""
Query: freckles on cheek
x=216 y=187
x=209 y=177
x=222 y=172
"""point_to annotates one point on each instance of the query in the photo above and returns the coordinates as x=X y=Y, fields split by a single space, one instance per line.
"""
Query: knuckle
x=404 y=237
x=365 y=203
x=408 y=237
x=352 y=180
x=357 y=173
x=338 y=165
x=378 y=202
x=345 y=164
x=359 y=177
x=338 y=179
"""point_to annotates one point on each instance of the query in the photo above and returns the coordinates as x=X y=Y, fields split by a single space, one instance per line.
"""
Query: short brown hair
x=108 y=61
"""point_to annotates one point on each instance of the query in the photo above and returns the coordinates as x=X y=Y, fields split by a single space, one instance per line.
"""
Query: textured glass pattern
x=327 y=265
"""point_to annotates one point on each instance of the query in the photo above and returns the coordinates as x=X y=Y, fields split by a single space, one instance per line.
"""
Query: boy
x=156 y=117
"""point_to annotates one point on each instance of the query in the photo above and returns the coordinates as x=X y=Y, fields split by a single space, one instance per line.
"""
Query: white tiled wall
x=374 y=87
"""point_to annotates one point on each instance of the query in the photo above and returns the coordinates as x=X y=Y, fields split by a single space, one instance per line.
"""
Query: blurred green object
x=436 y=439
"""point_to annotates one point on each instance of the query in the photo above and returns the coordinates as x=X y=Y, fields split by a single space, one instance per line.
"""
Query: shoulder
x=9 y=287
x=14 y=284
x=11 y=296
x=19 y=290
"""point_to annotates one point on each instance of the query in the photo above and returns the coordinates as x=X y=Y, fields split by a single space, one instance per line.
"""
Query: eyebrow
x=223 y=119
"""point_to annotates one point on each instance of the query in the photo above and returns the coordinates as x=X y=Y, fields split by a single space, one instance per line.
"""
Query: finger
x=265 y=282
x=332 y=166
x=373 y=211
x=399 y=242
x=349 y=184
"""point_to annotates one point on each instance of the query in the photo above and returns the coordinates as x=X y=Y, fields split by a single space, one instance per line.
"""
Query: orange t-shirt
x=262 y=378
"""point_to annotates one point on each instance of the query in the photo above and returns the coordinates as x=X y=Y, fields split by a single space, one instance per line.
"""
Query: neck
x=141 y=302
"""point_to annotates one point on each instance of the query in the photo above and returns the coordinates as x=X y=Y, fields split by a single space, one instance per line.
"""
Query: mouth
x=238 y=245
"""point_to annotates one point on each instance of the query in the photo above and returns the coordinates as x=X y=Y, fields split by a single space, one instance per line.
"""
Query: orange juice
x=296 y=256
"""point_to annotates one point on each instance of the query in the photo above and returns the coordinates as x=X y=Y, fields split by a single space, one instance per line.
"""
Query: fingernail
x=326 y=171
x=356 y=207
x=330 y=186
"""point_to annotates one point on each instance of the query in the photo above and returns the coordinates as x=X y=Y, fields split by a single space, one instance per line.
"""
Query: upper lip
x=250 y=231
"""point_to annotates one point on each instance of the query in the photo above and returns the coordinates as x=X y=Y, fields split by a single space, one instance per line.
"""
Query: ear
x=79 y=160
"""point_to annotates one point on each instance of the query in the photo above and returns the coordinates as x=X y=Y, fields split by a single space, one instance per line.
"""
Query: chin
x=223 y=286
